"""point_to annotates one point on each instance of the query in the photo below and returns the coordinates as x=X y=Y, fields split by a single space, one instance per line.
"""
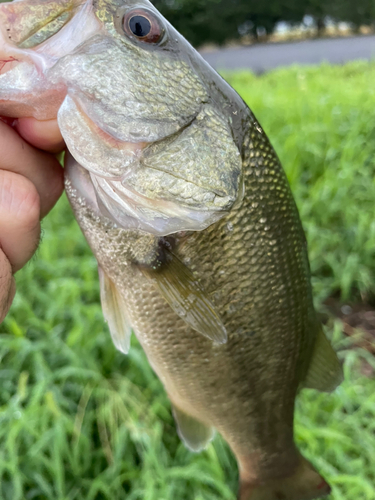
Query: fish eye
x=143 y=25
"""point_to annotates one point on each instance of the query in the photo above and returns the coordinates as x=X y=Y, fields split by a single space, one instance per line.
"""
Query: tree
x=318 y=10
x=218 y=21
x=358 y=12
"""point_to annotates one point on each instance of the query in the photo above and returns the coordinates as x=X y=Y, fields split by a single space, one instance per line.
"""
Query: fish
x=185 y=205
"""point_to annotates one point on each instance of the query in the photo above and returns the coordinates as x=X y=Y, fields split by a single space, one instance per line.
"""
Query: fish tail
x=304 y=484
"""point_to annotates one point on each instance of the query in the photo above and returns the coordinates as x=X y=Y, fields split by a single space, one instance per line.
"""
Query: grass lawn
x=78 y=420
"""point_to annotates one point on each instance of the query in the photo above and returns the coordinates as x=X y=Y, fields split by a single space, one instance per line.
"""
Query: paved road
x=263 y=57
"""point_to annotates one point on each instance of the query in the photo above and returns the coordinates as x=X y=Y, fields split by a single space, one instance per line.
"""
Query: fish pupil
x=140 y=26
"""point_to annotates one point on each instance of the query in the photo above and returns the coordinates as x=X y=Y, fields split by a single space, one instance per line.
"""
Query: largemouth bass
x=187 y=209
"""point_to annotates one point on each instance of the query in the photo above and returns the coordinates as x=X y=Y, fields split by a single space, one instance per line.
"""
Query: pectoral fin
x=115 y=313
x=195 y=435
x=182 y=292
x=325 y=372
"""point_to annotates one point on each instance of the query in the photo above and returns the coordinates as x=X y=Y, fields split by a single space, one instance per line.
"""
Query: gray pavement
x=264 y=57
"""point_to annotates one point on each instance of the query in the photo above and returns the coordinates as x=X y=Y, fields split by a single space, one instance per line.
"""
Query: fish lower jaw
x=131 y=210
x=122 y=211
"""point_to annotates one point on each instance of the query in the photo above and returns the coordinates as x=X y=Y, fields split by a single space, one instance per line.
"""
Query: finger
x=41 y=134
x=42 y=169
x=7 y=286
x=19 y=218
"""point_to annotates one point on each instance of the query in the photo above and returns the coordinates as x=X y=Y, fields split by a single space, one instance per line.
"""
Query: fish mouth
x=94 y=147
x=131 y=193
x=134 y=149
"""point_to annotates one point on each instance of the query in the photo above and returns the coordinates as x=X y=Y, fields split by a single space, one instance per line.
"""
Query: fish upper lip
x=124 y=144
x=113 y=141
x=105 y=136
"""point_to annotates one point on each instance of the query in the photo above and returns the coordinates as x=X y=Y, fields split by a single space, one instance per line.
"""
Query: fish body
x=189 y=214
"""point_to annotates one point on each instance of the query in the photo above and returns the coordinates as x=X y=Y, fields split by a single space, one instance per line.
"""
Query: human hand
x=31 y=182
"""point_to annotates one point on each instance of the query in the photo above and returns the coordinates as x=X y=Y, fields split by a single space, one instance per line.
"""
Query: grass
x=80 y=421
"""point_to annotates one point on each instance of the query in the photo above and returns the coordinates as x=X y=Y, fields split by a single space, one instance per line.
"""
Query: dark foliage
x=202 y=21
x=217 y=21
x=357 y=12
